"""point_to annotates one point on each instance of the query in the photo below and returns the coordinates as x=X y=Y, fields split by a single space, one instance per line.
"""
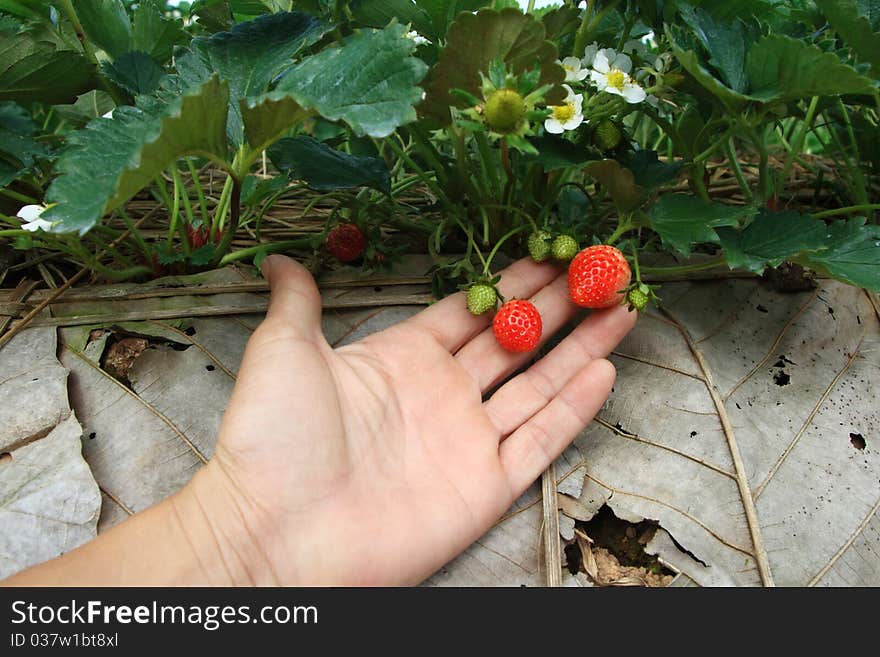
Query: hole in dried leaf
x=190 y=331
x=857 y=440
x=120 y=355
x=210 y=368
x=781 y=378
x=92 y=435
x=377 y=289
x=612 y=551
x=5 y=457
x=761 y=309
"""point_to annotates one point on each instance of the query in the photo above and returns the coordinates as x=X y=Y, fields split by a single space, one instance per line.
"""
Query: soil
x=611 y=551
x=121 y=355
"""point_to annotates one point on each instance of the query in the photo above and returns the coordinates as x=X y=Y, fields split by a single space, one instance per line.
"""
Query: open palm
x=379 y=461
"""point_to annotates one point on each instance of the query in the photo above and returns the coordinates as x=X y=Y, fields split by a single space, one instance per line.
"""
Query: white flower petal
x=623 y=63
x=31 y=212
x=37 y=224
x=590 y=54
x=573 y=122
x=599 y=79
x=633 y=93
x=107 y=115
x=553 y=126
x=612 y=90
x=600 y=62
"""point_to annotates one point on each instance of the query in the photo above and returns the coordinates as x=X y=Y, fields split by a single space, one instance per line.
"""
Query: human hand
x=377 y=462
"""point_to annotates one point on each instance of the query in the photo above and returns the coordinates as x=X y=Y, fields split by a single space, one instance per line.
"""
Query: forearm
x=178 y=542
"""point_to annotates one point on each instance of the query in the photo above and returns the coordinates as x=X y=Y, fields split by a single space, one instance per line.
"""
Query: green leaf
x=374 y=89
x=620 y=183
x=557 y=153
x=113 y=159
x=34 y=69
x=855 y=29
x=15 y=118
x=852 y=254
x=18 y=155
x=781 y=68
x=249 y=57
x=88 y=106
x=772 y=238
x=561 y=22
x=135 y=72
x=443 y=12
x=726 y=43
x=154 y=33
x=106 y=24
x=269 y=117
x=476 y=40
x=682 y=221
x=379 y=13
x=648 y=170
x=686 y=53
x=203 y=255
x=324 y=168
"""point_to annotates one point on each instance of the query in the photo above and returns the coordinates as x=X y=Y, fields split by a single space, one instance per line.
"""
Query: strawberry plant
x=470 y=131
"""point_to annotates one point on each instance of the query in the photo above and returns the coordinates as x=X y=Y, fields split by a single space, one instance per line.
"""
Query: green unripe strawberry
x=481 y=298
x=637 y=299
x=564 y=248
x=504 y=110
x=607 y=135
x=539 y=245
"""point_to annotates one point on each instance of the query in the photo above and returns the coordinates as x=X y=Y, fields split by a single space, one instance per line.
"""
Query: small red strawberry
x=597 y=276
x=517 y=326
x=346 y=242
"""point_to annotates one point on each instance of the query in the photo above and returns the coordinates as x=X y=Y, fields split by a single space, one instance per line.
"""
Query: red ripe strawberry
x=346 y=242
x=517 y=326
x=597 y=276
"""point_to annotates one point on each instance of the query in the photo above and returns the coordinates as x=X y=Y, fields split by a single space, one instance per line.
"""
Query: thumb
x=294 y=300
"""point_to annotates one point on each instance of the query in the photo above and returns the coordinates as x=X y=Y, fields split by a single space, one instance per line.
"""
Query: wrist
x=219 y=532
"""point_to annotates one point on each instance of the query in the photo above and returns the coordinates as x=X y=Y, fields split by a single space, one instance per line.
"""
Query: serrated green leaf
x=852 y=254
x=476 y=40
x=88 y=106
x=249 y=57
x=855 y=29
x=781 y=68
x=726 y=43
x=135 y=72
x=268 y=118
x=154 y=33
x=772 y=238
x=106 y=24
x=374 y=89
x=648 y=170
x=203 y=255
x=561 y=22
x=379 y=13
x=16 y=119
x=324 y=168
x=112 y=159
x=34 y=69
x=620 y=183
x=690 y=60
x=682 y=221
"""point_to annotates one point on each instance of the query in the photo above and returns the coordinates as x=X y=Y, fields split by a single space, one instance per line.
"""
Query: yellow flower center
x=563 y=113
x=616 y=79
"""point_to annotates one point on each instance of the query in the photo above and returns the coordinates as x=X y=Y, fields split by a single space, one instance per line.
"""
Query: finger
x=526 y=394
x=488 y=362
x=452 y=324
x=294 y=299
x=536 y=444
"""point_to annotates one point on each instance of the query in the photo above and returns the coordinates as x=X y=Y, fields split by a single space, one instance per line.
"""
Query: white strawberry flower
x=32 y=216
x=590 y=54
x=611 y=74
x=573 y=69
x=567 y=116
